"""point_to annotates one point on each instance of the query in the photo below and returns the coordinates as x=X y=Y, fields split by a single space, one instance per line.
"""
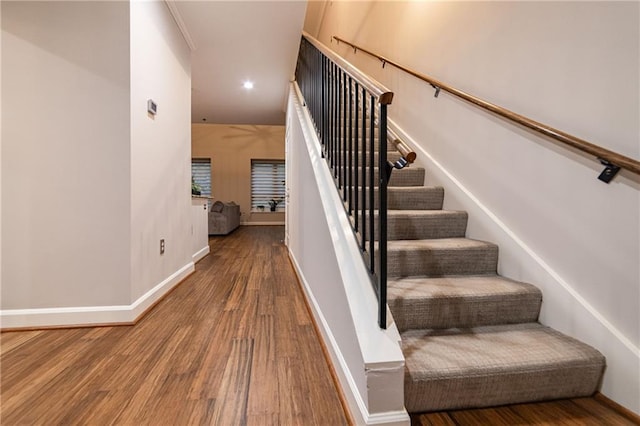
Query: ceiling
x=236 y=41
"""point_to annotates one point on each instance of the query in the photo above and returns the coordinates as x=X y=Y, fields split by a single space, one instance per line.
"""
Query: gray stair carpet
x=461 y=302
x=495 y=365
x=470 y=337
x=410 y=197
x=413 y=197
x=423 y=224
x=440 y=257
x=409 y=176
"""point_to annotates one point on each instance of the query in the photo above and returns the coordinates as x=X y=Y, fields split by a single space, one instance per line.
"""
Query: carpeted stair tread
x=495 y=365
x=441 y=257
x=461 y=301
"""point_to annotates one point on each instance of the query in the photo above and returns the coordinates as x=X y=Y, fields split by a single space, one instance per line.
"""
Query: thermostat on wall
x=152 y=107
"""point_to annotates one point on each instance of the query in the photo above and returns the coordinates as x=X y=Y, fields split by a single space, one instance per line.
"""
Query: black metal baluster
x=356 y=147
x=349 y=175
x=338 y=127
x=382 y=217
x=343 y=139
x=334 y=106
x=372 y=148
x=364 y=169
x=318 y=92
x=323 y=107
x=327 y=147
x=313 y=83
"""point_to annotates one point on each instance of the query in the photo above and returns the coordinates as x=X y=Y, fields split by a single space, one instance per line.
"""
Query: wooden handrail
x=606 y=156
x=401 y=146
x=384 y=95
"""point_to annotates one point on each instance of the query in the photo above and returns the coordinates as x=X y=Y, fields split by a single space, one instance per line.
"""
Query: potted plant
x=273 y=204
x=195 y=188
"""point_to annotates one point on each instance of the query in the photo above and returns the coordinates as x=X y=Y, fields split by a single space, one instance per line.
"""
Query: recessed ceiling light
x=248 y=85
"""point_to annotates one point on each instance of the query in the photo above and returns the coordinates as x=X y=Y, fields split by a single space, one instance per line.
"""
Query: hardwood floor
x=232 y=345
x=569 y=412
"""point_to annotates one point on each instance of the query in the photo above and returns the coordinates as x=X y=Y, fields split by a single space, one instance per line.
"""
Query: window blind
x=201 y=172
x=267 y=183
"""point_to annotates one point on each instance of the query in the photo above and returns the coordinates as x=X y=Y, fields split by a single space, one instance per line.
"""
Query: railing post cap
x=386 y=98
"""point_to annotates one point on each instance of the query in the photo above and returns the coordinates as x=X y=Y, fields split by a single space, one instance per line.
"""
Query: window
x=267 y=184
x=201 y=173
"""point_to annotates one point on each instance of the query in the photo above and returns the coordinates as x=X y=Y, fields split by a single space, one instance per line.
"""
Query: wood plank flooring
x=568 y=412
x=232 y=345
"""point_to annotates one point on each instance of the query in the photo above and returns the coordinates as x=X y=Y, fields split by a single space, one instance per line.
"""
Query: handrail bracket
x=401 y=163
x=609 y=172
x=435 y=95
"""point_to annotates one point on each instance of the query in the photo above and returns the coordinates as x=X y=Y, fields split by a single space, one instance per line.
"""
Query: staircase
x=470 y=337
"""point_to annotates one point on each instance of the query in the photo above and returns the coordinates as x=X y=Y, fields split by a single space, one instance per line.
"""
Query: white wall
x=572 y=65
x=368 y=360
x=65 y=154
x=0 y=153
x=91 y=182
x=160 y=148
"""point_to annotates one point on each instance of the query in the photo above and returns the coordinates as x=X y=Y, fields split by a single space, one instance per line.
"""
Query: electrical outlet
x=162 y=246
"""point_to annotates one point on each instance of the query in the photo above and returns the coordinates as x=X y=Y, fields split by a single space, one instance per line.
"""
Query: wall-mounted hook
x=384 y=63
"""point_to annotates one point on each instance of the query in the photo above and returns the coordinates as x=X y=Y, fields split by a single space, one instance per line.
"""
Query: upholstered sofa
x=223 y=218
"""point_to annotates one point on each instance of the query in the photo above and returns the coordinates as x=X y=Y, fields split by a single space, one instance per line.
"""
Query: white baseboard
x=200 y=254
x=262 y=223
x=391 y=418
x=91 y=315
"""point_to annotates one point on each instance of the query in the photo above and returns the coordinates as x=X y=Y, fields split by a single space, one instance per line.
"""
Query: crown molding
x=173 y=8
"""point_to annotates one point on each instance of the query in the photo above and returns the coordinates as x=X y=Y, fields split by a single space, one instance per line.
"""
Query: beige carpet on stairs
x=470 y=337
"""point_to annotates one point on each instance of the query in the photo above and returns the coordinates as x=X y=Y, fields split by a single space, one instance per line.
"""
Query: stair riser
x=500 y=389
x=344 y=143
x=434 y=263
x=392 y=155
x=441 y=313
x=415 y=199
x=409 y=176
x=409 y=198
x=450 y=225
